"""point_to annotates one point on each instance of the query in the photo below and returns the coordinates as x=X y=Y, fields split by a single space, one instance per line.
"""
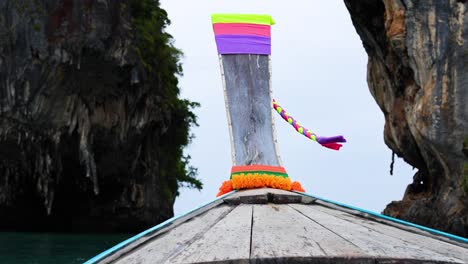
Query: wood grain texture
x=450 y=251
x=155 y=234
x=402 y=227
x=280 y=231
x=267 y=195
x=288 y=233
x=371 y=241
x=176 y=240
x=273 y=127
x=337 y=260
x=247 y=84
x=226 y=104
x=227 y=240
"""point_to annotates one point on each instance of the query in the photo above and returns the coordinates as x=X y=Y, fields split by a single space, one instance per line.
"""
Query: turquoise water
x=51 y=248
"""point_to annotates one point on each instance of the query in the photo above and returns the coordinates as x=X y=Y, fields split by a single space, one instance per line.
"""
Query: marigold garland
x=259 y=176
x=296 y=186
x=225 y=188
x=256 y=180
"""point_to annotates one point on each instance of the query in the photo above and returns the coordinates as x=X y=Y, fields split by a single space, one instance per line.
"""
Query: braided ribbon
x=328 y=142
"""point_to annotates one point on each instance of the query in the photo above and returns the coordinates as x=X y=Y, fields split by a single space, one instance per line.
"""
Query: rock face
x=418 y=74
x=91 y=127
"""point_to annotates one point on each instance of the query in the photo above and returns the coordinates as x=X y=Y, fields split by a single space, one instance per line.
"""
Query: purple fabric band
x=243 y=44
x=326 y=140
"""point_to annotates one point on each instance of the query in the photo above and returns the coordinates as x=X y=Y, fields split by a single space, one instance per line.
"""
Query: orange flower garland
x=257 y=180
x=259 y=176
x=225 y=188
x=296 y=186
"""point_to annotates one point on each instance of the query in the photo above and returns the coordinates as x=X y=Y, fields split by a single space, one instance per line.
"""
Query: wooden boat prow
x=277 y=226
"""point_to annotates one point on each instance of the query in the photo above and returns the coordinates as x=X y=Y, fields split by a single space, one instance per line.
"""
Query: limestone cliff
x=91 y=127
x=418 y=74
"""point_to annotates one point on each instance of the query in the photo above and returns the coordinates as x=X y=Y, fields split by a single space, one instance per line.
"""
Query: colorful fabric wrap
x=328 y=142
x=259 y=176
x=242 y=33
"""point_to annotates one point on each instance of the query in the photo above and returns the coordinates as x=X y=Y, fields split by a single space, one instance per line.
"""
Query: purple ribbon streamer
x=243 y=44
x=326 y=140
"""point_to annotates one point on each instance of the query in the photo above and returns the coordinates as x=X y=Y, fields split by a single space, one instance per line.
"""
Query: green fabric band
x=242 y=18
x=277 y=174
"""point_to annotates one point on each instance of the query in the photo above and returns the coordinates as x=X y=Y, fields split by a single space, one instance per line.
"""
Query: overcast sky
x=319 y=77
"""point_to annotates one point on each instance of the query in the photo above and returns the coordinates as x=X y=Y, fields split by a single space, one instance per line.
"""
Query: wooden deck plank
x=404 y=228
x=265 y=195
x=404 y=237
x=280 y=231
x=176 y=240
x=228 y=240
x=156 y=233
x=374 y=243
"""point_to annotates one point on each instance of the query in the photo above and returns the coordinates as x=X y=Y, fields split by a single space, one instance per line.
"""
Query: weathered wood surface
x=247 y=88
x=252 y=231
x=267 y=195
x=408 y=238
x=279 y=230
x=176 y=240
x=156 y=234
x=389 y=223
x=377 y=242
x=215 y=245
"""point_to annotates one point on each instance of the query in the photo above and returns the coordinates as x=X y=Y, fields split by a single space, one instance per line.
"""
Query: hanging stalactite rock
x=91 y=128
x=417 y=72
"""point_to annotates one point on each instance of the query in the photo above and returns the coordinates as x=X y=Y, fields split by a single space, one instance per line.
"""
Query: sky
x=319 y=76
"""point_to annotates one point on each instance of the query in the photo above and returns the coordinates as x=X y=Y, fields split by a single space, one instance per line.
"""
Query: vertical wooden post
x=246 y=80
x=244 y=48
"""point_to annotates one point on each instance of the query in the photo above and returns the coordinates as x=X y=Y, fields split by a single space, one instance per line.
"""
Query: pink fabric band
x=242 y=29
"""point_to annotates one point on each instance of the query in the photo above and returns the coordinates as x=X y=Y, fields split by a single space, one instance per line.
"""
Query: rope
x=328 y=142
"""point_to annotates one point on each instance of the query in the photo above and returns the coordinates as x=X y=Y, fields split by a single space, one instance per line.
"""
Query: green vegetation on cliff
x=161 y=61
x=92 y=129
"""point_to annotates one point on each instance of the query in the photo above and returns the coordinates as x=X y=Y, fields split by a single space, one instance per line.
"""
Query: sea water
x=51 y=248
